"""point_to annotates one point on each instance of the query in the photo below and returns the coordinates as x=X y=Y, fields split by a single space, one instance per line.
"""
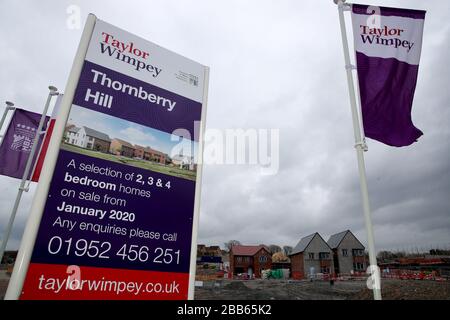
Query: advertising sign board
x=119 y=221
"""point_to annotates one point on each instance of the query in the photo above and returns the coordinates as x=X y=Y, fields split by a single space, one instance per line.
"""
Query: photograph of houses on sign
x=99 y=135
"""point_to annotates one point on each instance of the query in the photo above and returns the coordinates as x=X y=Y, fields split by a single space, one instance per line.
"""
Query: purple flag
x=388 y=43
x=17 y=143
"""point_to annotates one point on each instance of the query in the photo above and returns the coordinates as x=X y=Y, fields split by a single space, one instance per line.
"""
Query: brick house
x=155 y=155
x=138 y=151
x=122 y=148
x=310 y=256
x=249 y=259
x=149 y=154
x=348 y=253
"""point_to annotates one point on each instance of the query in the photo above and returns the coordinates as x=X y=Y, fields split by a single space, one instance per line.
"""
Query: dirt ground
x=320 y=290
x=4 y=279
x=409 y=290
x=305 y=290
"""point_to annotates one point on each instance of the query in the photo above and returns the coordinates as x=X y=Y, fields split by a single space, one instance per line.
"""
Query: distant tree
x=386 y=255
x=231 y=243
x=279 y=257
x=400 y=254
x=439 y=252
x=273 y=248
x=287 y=250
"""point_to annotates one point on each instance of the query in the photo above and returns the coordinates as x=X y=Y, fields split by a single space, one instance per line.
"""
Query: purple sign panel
x=108 y=91
x=119 y=207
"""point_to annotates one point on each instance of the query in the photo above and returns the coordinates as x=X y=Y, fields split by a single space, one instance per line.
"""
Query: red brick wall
x=245 y=263
x=252 y=262
x=361 y=260
x=326 y=263
x=127 y=151
x=297 y=266
x=139 y=152
x=259 y=265
x=231 y=264
x=100 y=145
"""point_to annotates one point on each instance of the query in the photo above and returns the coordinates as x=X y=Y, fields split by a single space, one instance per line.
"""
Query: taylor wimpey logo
x=385 y=36
x=127 y=52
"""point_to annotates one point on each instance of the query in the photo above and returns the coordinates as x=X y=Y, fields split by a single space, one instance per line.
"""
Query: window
x=358 y=252
x=324 y=269
x=344 y=252
x=358 y=266
x=263 y=259
x=324 y=255
x=240 y=259
x=311 y=255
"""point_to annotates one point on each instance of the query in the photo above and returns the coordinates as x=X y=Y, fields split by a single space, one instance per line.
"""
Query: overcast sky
x=274 y=64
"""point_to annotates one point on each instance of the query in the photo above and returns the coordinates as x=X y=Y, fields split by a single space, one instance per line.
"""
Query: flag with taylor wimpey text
x=388 y=43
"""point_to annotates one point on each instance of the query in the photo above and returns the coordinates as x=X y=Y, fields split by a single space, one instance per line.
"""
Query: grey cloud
x=272 y=66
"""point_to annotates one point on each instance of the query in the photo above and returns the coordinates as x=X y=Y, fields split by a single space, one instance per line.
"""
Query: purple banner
x=388 y=44
x=388 y=11
x=18 y=141
x=387 y=91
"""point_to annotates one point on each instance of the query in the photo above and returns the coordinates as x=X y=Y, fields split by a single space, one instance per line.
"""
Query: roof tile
x=240 y=250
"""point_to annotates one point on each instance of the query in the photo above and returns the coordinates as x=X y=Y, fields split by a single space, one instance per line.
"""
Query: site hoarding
x=119 y=219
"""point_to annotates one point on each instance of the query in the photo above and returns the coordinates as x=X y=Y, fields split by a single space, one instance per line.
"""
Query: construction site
x=254 y=272
x=392 y=289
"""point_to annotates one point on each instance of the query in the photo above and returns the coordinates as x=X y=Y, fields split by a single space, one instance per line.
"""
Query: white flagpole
x=26 y=173
x=9 y=106
x=360 y=146
x=44 y=133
